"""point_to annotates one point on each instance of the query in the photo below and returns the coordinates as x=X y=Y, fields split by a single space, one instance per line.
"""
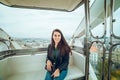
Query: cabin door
x=102 y=41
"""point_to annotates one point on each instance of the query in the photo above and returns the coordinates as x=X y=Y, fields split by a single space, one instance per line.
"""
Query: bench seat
x=31 y=67
x=73 y=73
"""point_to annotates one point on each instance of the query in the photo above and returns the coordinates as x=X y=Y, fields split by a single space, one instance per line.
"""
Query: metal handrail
x=112 y=20
x=8 y=53
x=105 y=24
x=110 y=61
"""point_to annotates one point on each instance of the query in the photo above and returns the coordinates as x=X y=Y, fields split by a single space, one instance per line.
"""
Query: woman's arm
x=65 y=62
x=48 y=61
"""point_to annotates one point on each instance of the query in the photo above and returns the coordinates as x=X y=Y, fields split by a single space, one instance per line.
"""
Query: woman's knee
x=62 y=75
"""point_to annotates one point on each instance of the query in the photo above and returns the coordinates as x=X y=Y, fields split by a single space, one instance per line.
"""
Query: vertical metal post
x=87 y=18
x=104 y=36
x=87 y=35
x=111 y=19
x=111 y=34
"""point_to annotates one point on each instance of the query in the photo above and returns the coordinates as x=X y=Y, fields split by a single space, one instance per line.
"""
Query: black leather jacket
x=61 y=61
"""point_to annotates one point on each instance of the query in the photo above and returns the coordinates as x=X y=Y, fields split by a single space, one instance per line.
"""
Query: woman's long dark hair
x=62 y=45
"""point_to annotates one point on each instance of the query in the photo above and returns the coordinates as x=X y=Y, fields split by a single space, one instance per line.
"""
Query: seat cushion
x=73 y=73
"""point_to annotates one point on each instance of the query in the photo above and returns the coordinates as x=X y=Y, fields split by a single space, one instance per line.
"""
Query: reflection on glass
x=116 y=23
x=98 y=30
x=96 y=54
x=115 y=69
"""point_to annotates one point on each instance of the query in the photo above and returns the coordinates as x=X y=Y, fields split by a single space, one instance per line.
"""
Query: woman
x=57 y=57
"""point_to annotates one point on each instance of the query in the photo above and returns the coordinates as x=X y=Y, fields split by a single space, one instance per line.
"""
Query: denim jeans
x=61 y=77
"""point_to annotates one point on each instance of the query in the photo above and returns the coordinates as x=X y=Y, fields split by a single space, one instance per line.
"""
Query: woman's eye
x=55 y=35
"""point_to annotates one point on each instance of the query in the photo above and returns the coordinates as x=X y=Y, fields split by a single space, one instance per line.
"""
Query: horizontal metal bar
x=9 y=53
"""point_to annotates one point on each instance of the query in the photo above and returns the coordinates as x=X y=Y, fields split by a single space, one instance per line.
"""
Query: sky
x=36 y=23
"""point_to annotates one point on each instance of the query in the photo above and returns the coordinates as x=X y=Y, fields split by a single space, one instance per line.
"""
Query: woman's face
x=56 y=37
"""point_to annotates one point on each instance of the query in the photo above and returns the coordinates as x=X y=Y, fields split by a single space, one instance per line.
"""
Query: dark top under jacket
x=58 y=61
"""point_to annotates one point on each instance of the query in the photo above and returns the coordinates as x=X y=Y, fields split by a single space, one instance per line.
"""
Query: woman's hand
x=56 y=73
x=49 y=65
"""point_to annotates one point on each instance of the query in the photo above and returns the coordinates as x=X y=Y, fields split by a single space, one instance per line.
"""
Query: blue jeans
x=61 y=77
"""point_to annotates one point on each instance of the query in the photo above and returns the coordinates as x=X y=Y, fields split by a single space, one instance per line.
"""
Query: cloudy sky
x=38 y=23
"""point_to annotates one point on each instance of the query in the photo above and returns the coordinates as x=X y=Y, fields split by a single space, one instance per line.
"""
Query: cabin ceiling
x=65 y=5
